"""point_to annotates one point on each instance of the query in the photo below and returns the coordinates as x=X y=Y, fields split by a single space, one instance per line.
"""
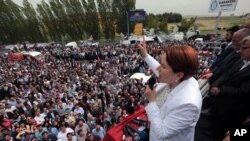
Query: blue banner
x=136 y=15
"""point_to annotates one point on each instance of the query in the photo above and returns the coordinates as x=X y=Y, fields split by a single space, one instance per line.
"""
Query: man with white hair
x=230 y=106
x=232 y=59
x=245 y=50
x=245 y=55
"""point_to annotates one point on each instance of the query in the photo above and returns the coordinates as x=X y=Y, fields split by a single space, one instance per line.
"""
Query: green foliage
x=152 y=21
x=92 y=26
x=170 y=17
x=119 y=10
x=62 y=20
x=31 y=22
x=186 y=24
x=160 y=21
x=108 y=19
x=11 y=22
x=163 y=25
x=234 y=20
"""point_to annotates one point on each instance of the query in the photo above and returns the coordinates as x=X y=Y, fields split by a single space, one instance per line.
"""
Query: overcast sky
x=184 y=7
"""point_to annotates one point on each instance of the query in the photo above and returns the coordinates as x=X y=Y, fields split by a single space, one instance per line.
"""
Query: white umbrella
x=71 y=44
x=147 y=39
x=140 y=76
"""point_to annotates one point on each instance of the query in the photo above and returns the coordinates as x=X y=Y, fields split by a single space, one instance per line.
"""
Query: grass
x=207 y=24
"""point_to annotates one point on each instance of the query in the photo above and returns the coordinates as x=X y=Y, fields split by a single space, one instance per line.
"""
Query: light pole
x=127 y=24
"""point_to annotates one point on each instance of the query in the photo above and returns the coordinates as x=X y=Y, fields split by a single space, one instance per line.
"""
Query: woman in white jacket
x=176 y=118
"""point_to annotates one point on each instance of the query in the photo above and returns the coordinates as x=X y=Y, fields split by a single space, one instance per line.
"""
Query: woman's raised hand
x=143 y=47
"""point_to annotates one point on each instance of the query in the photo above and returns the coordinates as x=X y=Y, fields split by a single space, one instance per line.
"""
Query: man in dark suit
x=229 y=96
x=233 y=95
x=229 y=48
x=231 y=64
x=227 y=63
x=47 y=137
x=231 y=58
x=64 y=98
x=52 y=114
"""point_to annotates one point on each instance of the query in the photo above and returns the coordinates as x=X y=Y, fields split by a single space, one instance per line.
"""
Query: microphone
x=151 y=82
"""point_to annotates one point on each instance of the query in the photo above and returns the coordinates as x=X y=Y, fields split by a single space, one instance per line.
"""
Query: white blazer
x=175 y=120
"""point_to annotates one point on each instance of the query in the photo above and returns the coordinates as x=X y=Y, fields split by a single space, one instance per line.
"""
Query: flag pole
x=217 y=23
x=128 y=24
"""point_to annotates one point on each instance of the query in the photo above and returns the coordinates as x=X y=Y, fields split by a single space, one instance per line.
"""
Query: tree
x=62 y=20
x=32 y=25
x=160 y=21
x=49 y=22
x=59 y=19
x=12 y=22
x=186 y=24
x=4 y=20
x=163 y=25
x=170 y=17
x=120 y=10
x=92 y=19
x=74 y=14
x=107 y=18
x=152 y=21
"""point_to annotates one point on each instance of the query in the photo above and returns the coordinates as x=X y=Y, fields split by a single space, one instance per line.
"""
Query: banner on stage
x=137 y=15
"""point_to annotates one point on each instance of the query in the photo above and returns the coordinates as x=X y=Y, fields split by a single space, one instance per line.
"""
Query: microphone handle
x=151 y=82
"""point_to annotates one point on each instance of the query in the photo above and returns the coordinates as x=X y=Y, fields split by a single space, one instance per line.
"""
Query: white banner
x=222 y=5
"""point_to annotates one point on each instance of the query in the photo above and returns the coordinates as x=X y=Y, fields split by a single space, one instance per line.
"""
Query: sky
x=184 y=7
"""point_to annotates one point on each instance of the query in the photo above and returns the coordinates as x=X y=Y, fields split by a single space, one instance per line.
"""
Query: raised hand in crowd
x=143 y=48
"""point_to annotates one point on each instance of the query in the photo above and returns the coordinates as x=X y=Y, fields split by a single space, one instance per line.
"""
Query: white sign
x=222 y=5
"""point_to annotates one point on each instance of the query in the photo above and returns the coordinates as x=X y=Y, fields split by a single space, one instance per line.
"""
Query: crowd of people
x=77 y=93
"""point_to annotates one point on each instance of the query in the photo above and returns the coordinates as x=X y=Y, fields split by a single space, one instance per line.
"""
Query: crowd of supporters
x=77 y=93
